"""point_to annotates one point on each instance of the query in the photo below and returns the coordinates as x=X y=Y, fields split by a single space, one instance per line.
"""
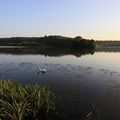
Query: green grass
x=24 y=102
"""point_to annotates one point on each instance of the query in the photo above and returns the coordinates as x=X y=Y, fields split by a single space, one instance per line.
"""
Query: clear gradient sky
x=97 y=19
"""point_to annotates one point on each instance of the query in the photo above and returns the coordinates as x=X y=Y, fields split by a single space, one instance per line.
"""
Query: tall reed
x=24 y=102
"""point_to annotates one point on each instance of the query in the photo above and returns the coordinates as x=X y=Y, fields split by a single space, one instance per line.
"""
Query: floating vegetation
x=24 y=102
x=93 y=114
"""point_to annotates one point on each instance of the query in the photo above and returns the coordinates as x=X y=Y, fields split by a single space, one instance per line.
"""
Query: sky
x=94 y=19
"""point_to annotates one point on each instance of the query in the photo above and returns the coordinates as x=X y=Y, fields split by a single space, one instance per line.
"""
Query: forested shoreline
x=107 y=44
x=48 y=41
x=55 y=40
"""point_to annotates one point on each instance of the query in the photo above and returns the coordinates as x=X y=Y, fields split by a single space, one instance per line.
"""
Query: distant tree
x=78 y=38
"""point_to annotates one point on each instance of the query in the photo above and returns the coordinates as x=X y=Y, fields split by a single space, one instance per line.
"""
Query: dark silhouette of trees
x=48 y=41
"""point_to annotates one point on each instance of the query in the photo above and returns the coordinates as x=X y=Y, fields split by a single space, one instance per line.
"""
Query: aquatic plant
x=94 y=113
x=22 y=102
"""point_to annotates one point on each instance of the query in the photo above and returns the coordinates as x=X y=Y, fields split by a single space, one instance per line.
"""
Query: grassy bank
x=24 y=102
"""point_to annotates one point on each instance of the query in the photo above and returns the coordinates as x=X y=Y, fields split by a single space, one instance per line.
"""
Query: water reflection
x=47 y=51
x=108 y=49
x=76 y=81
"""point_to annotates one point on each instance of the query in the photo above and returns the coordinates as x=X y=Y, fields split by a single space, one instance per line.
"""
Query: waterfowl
x=42 y=70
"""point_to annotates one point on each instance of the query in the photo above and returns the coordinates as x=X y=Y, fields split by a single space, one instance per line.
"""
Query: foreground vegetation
x=24 y=102
x=48 y=41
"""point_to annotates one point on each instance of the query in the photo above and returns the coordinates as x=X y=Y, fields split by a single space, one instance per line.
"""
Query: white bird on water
x=42 y=70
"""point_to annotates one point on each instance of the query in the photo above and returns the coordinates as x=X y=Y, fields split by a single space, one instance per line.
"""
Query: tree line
x=48 y=41
x=106 y=44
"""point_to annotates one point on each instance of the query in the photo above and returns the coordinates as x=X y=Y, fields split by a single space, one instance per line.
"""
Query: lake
x=80 y=79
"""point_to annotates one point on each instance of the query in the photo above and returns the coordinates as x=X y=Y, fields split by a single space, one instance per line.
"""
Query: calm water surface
x=77 y=79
